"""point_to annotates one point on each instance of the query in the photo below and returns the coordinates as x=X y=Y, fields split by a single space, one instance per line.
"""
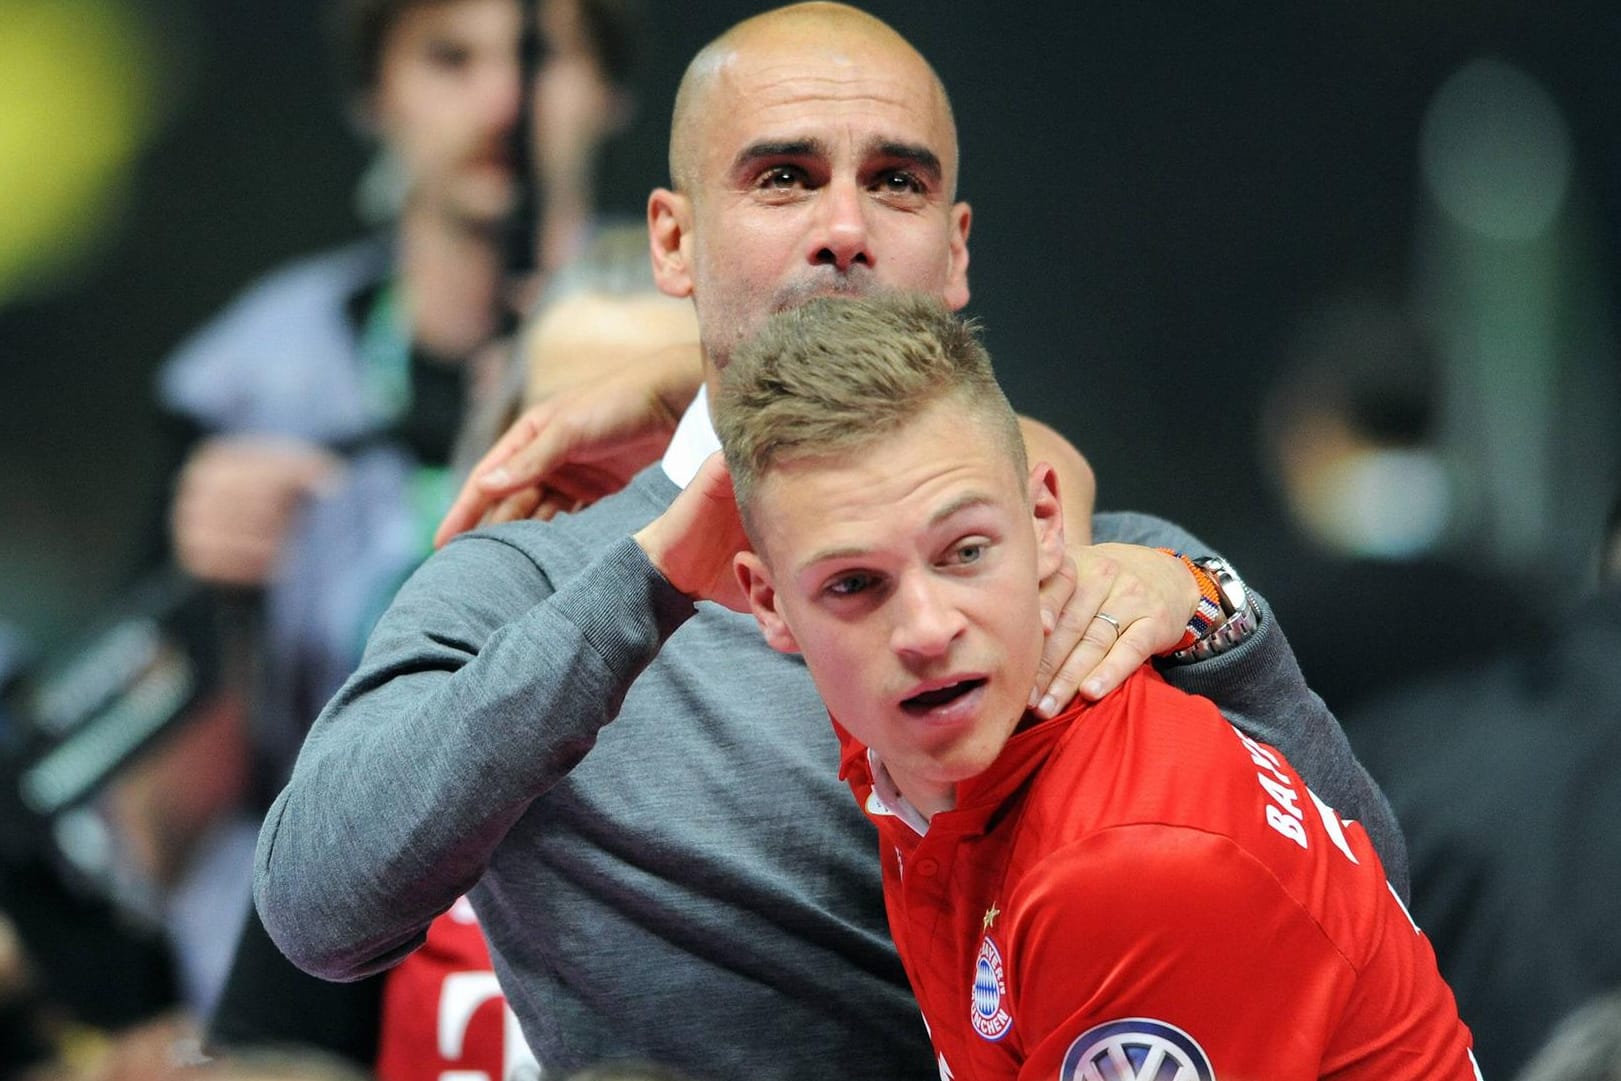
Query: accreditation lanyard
x=385 y=356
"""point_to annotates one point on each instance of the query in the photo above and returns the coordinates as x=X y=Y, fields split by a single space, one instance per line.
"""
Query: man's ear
x=669 y=236
x=755 y=579
x=956 y=295
x=1047 y=510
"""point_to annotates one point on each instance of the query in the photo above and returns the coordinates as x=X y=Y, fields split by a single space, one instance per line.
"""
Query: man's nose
x=842 y=239
x=500 y=95
x=926 y=622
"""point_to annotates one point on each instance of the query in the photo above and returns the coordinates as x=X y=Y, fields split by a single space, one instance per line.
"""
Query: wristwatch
x=1240 y=621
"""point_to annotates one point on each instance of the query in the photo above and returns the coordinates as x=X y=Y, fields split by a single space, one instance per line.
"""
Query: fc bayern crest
x=989 y=1015
x=1136 y=1049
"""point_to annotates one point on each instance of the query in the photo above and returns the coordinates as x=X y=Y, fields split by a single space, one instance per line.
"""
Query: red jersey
x=1136 y=890
x=444 y=1014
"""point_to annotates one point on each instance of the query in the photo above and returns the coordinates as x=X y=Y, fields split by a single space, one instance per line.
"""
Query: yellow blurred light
x=79 y=97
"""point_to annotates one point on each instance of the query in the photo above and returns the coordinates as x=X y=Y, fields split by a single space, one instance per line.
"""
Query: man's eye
x=900 y=182
x=783 y=176
x=969 y=553
x=448 y=55
x=848 y=585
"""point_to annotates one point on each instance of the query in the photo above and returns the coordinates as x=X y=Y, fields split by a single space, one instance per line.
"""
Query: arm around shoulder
x=480 y=688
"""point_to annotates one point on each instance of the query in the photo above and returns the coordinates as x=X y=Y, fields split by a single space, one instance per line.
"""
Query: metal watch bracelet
x=1236 y=605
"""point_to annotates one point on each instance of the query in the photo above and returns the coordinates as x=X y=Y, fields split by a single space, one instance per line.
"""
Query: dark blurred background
x=1175 y=204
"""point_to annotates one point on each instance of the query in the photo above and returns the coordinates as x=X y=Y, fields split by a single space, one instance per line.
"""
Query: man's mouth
x=940 y=696
x=848 y=284
x=494 y=156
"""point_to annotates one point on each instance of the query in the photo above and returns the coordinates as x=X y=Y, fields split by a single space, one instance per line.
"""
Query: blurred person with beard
x=341 y=380
x=368 y=344
x=441 y=1009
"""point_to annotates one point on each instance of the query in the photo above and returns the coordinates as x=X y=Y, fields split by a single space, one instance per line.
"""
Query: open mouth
x=940 y=696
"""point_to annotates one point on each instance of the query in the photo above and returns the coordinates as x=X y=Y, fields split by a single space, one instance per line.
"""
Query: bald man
x=638 y=794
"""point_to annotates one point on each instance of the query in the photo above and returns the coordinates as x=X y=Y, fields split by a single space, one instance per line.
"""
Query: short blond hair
x=831 y=377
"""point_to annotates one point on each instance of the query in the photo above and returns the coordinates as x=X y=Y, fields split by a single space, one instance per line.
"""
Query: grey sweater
x=691 y=883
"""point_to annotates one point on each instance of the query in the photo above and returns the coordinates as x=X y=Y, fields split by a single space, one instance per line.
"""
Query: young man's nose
x=926 y=623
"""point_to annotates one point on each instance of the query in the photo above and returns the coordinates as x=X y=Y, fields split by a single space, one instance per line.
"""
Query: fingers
x=1067 y=608
x=549 y=436
x=694 y=542
x=515 y=507
x=1130 y=649
x=1127 y=605
x=236 y=500
x=1057 y=590
x=583 y=442
x=715 y=481
x=496 y=476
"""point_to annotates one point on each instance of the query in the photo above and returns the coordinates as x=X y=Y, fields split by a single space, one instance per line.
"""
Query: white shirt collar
x=694 y=441
x=889 y=796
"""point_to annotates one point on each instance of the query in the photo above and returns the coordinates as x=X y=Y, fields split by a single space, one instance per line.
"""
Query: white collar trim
x=694 y=441
x=888 y=797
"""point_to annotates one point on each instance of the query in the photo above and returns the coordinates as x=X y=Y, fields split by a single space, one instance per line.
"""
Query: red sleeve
x=1151 y=940
x=443 y=1012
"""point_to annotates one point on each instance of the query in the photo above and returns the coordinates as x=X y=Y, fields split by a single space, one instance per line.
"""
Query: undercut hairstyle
x=834 y=376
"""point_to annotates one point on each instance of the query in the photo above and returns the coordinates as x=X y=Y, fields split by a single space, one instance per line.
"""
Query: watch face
x=1228 y=584
x=1239 y=622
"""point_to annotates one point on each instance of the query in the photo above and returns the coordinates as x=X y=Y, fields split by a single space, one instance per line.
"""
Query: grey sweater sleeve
x=1259 y=687
x=480 y=689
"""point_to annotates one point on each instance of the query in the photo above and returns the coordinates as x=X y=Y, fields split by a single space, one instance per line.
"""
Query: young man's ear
x=669 y=236
x=1047 y=511
x=755 y=580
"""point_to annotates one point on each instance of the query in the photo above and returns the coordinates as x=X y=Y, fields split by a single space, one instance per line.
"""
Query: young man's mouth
x=930 y=700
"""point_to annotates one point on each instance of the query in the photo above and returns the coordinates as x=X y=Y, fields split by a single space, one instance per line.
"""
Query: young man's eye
x=969 y=553
x=848 y=585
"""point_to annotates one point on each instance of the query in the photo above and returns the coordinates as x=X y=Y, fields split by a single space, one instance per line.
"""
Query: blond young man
x=1131 y=889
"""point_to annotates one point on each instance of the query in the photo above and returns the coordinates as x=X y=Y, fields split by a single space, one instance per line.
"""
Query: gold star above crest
x=990 y=917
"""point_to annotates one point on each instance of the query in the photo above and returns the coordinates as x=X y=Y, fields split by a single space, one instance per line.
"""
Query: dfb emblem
x=1136 y=1049
x=989 y=1013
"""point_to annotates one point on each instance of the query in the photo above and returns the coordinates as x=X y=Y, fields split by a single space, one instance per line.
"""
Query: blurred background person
x=1378 y=574
x=334 y=389
x=369 y=344
x=1586 y=1046
x=344 y=375
x=347 y=375
x=1502 y=769
x=441 y=1009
